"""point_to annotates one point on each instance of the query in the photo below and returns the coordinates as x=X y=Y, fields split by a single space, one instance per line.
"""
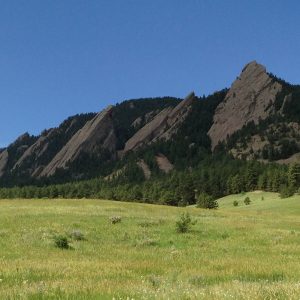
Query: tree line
x=216 y=176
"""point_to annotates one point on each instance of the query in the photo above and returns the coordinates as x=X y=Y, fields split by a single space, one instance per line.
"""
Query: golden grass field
x=243 y=252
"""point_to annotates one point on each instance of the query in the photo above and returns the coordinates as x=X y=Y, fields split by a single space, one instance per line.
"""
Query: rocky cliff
x=250 y=98
x=37 y=154
x=36 y=150
x=162 y=126
x=96 y=134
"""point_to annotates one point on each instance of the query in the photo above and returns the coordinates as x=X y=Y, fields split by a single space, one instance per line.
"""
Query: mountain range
x=257 y=118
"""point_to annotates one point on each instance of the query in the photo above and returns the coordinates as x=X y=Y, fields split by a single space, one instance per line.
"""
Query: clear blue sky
x=60 y=57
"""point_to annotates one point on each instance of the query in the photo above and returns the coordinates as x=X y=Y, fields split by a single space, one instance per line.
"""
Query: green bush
x=235 y=203
x=61 y=242
x=247 y=201
x=184 y=223
x=206 y=201
x=286 y=191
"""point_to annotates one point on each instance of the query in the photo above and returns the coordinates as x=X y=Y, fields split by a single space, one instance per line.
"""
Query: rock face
x=96 y=133
x=145 y=168
x=163 y=163
x=43 y=148
x=137 y=122
x=286 y=100
x=250 y=98
x=162 y=126
x=37 y=149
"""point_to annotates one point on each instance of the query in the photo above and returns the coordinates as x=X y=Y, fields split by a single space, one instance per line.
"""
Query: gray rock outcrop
x=162 y=126
x=145 y=168
x=288 y=98
x=96 y=133
x=163 y=163
x=37 y=149
x=250 y=98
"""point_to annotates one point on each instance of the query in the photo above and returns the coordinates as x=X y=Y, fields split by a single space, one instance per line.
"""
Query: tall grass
x=244 y=252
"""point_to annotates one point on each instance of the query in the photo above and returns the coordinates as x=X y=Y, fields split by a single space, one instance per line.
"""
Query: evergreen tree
x=251 y=178
x=206 y=201
x=293 y=175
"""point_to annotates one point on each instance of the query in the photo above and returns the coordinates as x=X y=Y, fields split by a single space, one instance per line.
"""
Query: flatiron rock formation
x=250 y=98
x=162 y=126
x=96 y=133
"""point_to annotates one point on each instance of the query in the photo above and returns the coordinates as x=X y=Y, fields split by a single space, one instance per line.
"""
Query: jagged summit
x=250 y=98
x=254 y=65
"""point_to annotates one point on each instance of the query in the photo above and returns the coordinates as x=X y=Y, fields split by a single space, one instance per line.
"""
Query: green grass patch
x=236 y=252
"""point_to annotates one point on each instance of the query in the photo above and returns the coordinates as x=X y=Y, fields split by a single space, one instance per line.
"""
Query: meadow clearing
x=243 y=252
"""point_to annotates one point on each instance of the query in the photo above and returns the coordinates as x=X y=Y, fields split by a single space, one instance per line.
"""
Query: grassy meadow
x=243 y=252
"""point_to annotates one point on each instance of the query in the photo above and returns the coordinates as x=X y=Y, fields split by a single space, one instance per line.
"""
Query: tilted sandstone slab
x=36 y=150
x=250 y=98
x=48 y=144
x=96 y=133
x=149 y=131
x=163 y=125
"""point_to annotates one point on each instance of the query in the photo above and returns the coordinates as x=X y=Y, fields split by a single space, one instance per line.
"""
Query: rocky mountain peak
x=253 y=67
x=250 y=98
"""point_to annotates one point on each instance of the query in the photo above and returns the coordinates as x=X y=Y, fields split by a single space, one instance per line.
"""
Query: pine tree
x=251 y=178
x=293 y=175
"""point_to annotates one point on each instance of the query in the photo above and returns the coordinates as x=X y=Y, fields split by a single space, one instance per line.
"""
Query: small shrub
x=115 y=219
x=286 y=191
x=206 y=201
x=61 y=242
x=262 y=198
x=247 y=201
x=184 y=223
x=235 y=203
x=77 y=235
